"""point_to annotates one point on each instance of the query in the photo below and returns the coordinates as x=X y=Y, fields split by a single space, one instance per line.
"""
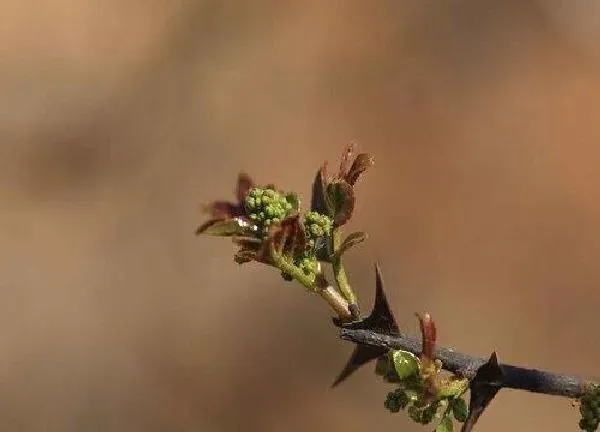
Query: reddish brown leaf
x=222 y=210
x=341 y=198
x=288 y=237
x=244 y=184
x=345 y=161
x=319 y=202
x=351 y=241
x=254 y=248
x=362 y=162
x=227 y=209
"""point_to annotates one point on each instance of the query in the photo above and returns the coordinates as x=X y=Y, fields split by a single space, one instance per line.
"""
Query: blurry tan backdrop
x=118 y=118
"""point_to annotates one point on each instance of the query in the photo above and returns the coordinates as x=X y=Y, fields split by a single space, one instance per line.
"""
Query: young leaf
x=445 y=425
x=459 y=409
x=222 y=209
x=351 y=241
x=362 y=162
x=227 y=228
x=288 y=238
x=341 y=196
x=318 y=202
x=453 y=388
x=405 y=363
x=228 y=209
x=345 y=160
x=244 y=184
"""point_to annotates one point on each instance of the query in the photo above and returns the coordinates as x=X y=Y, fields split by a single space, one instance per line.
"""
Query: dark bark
x=514 y=377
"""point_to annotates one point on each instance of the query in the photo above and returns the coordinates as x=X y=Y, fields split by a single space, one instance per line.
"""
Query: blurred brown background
x=118 y=118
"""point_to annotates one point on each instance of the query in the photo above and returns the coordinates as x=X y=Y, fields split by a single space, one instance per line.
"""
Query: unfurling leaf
x=405 y=363
x=227 y=228
x=340 y=195
x=428 y=333
x=326 y=200
x=351 y=241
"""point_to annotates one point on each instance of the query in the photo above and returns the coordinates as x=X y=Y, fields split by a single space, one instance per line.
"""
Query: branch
x=267 y=226
x=514 y=377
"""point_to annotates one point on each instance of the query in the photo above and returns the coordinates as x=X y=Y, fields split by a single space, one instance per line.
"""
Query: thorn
x=486 y=384
x=361 y=355
x=381 y=319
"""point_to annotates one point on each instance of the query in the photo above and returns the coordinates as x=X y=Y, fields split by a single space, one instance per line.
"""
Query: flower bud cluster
x=317 y=226
x=266 y=207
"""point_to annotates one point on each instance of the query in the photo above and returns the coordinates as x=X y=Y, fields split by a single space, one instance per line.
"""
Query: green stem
x=340 y=273
x=288 y=267
x=333 y=297
x=316 y=284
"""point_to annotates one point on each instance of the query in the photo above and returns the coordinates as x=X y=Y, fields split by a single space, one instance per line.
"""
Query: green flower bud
x=309 y=265
x=317 y=226
x=266 y=207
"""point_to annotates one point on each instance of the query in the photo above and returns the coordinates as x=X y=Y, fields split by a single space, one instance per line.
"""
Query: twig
x=464 y=365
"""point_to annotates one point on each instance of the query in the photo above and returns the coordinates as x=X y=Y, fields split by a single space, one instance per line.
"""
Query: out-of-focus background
x=119 y=118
